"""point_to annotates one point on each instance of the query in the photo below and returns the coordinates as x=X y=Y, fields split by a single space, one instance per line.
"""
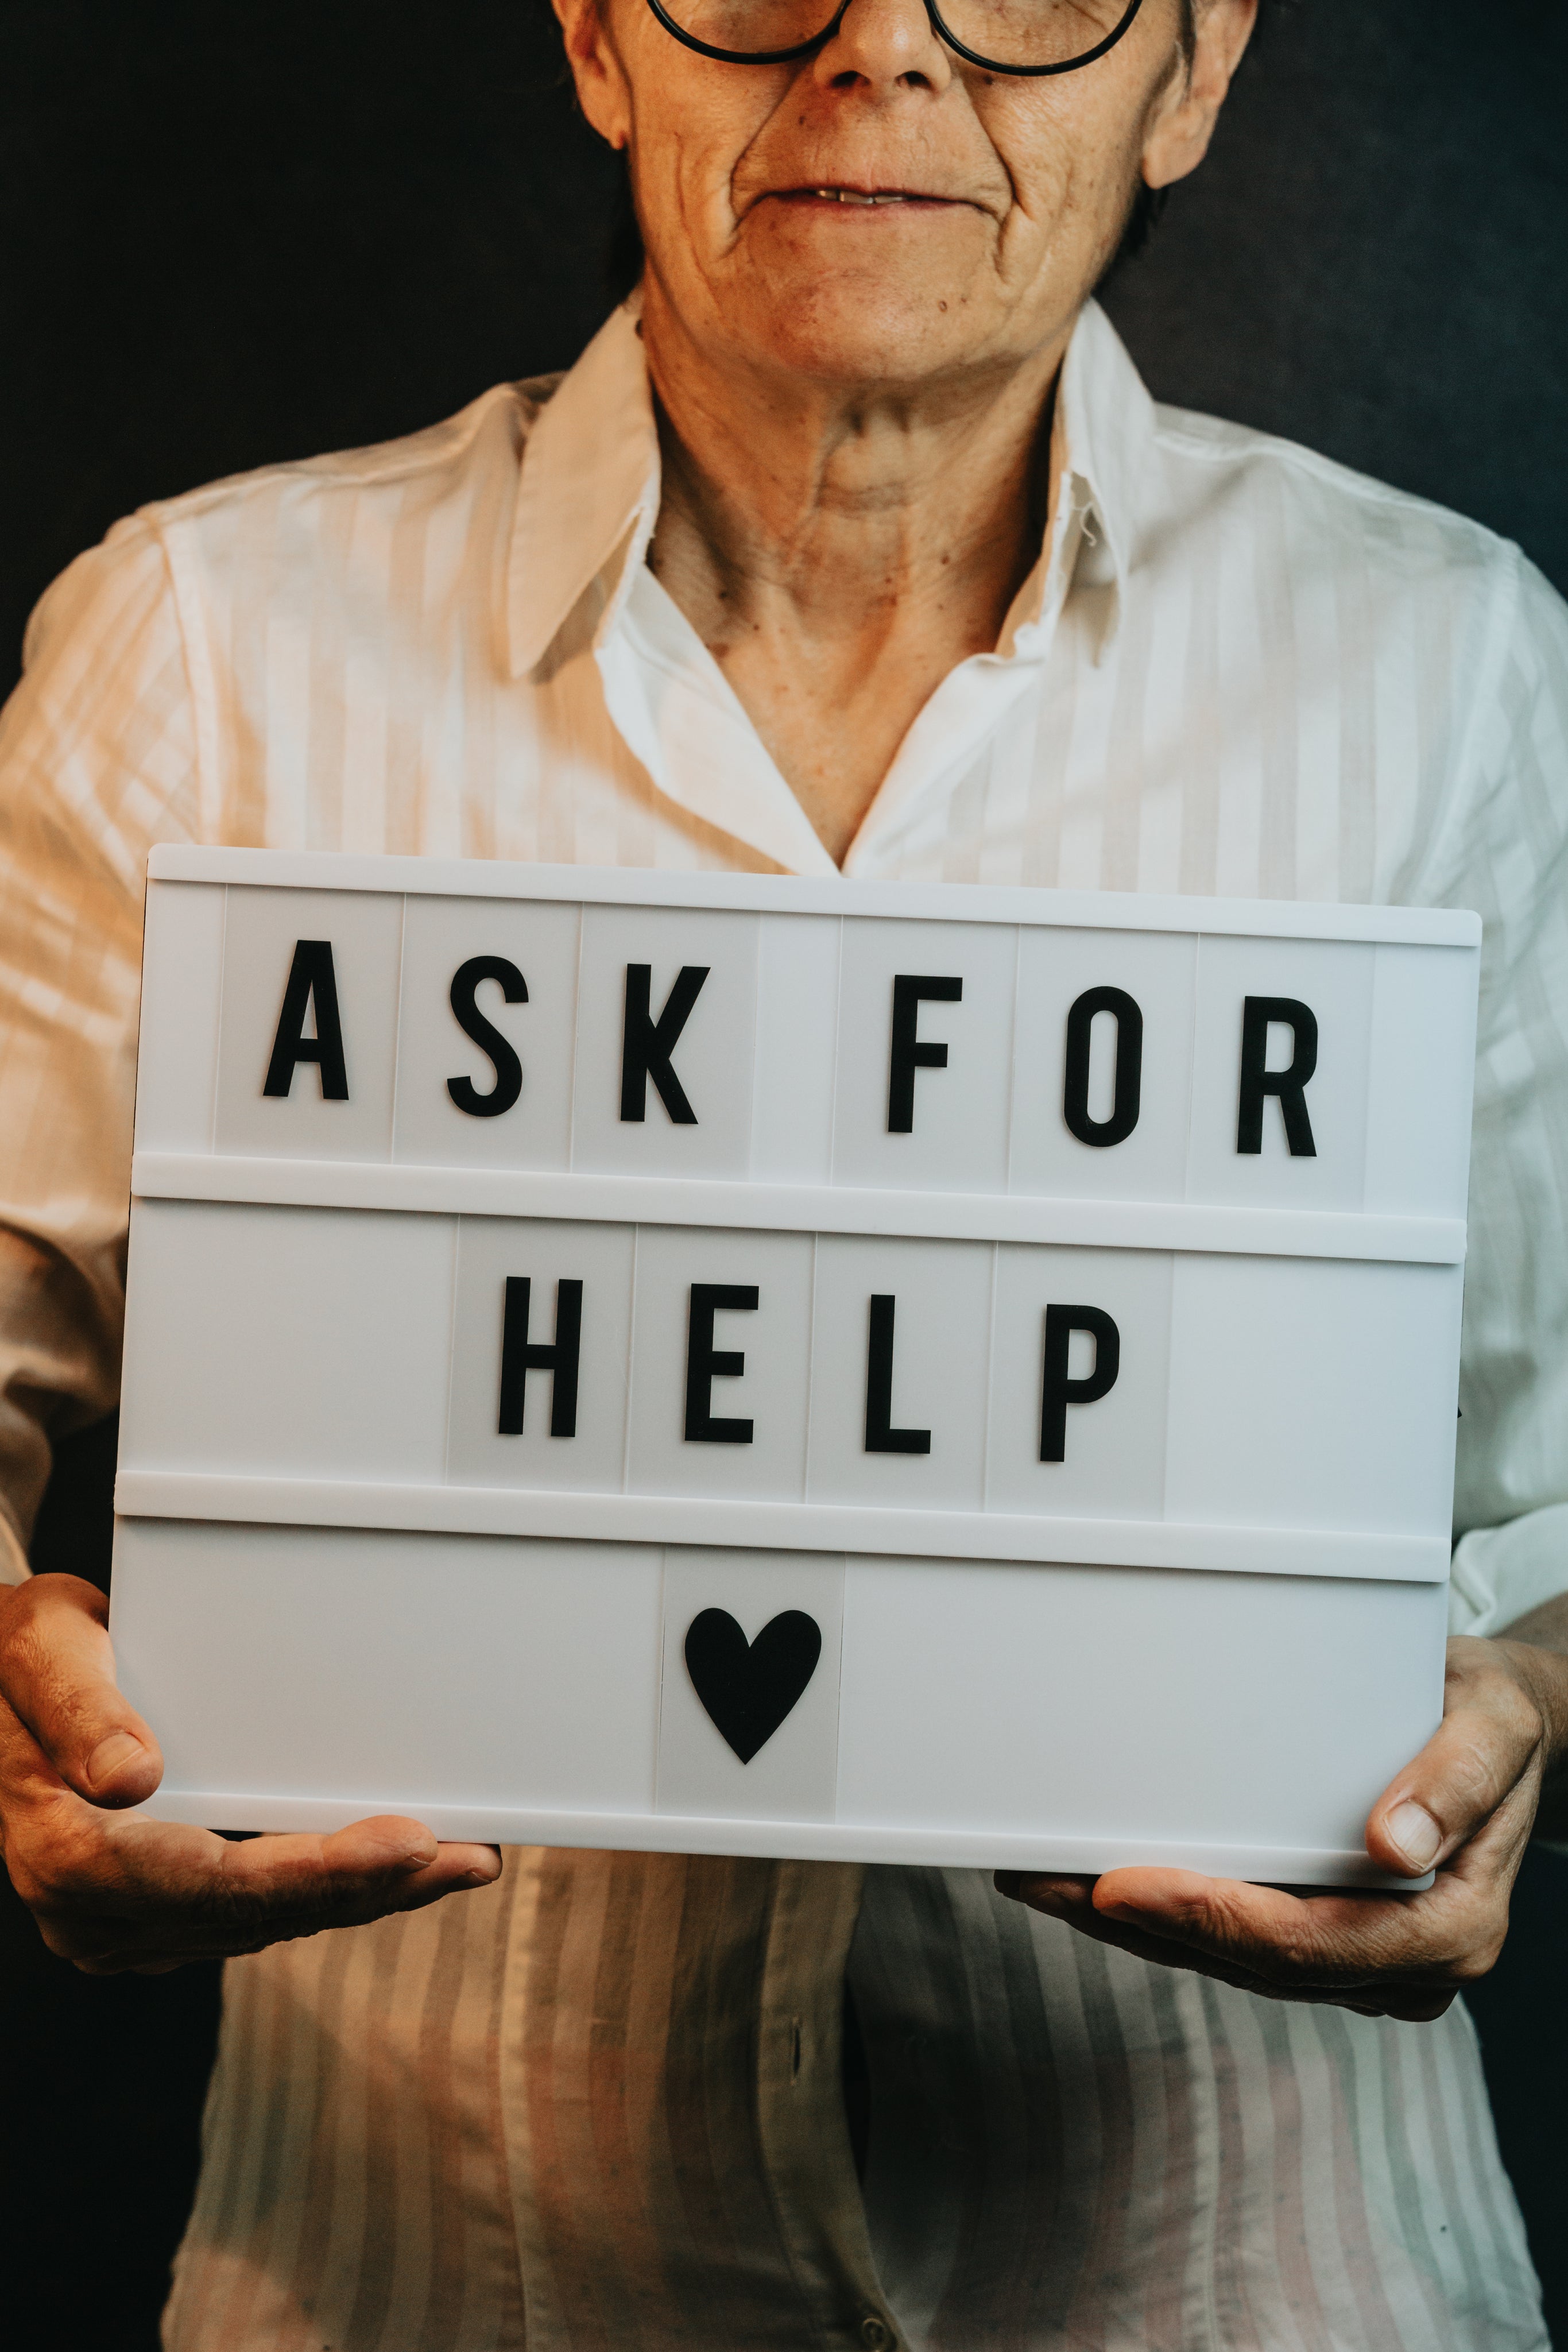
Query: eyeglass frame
x=820 y=40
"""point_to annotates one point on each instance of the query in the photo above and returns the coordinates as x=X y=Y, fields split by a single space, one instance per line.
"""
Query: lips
x=860 y=197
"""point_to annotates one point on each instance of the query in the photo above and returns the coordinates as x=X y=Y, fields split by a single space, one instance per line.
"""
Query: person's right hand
x=112 y=1893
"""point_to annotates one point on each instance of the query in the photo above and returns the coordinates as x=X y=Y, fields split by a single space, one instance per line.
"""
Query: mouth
x=861 y=199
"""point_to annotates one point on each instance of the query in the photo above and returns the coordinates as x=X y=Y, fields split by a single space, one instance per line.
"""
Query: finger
x=1488 y=1751
x=1439 y=1939
x=1396 y=1955
x=384 y=1854
x=1341 y=1938
x=109 y=1946
x=57 y=1671
x=143 y=1894
x=387 y=1860
x=1071 y=1900
x=1246 y=1927
x=1123 y=1929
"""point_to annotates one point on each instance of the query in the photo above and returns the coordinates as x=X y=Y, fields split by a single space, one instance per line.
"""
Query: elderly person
x=854 y=543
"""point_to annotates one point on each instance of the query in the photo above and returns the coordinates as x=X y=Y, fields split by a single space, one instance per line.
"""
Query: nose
x=883 y=45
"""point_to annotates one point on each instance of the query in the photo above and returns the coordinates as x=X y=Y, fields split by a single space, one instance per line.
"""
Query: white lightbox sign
x=746 y=1365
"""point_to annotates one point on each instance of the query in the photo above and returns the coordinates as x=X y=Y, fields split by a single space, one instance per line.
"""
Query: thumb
x=1481 y=1767
x=56 y=1673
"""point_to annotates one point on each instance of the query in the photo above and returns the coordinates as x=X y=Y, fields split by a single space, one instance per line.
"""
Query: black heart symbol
x=748 y=1687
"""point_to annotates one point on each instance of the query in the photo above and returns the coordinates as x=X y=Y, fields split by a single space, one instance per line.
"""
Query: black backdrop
x=237 y=230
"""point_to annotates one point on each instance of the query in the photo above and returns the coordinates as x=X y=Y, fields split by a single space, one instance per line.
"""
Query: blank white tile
x=714 y=1059
x=1056 y=968
x=797 y=1025
x=394 y=1670
x=772 y=1392
x=599 y=1256
x=1422 y=1080
x=794 y=1777
x=1334 y=978
x=365 y=930
x=541 y=942
x=1313 y=1394
x=959 y=1139
x=182 y=980
x=287 y=1343
x=1115 y=1447
x=941 y=1340
x=1130 y=1703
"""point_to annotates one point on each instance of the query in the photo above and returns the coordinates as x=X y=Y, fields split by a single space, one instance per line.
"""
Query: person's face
x=1013 y=192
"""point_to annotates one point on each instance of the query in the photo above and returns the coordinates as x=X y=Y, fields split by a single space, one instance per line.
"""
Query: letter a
x=311 y=980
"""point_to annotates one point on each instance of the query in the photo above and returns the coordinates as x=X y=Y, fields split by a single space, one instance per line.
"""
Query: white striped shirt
x=599 y=2105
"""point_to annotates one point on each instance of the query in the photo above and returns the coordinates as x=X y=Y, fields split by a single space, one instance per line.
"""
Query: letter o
x=1102 y=1133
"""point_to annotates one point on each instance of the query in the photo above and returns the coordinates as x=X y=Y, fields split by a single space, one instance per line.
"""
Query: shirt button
x=875 y=2334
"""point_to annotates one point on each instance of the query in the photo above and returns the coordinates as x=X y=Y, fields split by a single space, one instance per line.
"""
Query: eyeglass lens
x=1019 y=35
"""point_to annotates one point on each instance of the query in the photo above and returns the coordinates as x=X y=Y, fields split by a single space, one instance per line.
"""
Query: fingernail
x=1411 y=1828
x=111 y=1754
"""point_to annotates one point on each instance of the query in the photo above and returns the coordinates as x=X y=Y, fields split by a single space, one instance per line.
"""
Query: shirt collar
x=1107 y=422
x=1101 y=444
x=589 y=482
x=588 y=485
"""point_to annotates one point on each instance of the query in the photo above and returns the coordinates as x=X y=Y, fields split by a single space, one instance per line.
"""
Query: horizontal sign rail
x=840 y=1208
x=946 y=1849
x=462 y=878
x=800 y=1526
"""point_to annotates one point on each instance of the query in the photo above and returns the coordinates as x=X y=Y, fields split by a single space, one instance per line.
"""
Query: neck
x=841 y=549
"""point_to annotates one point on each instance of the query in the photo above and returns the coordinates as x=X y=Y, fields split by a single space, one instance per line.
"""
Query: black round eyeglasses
x=1008 y=37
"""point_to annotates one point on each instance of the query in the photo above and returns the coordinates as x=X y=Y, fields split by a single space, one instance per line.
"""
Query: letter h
x=519 y=1357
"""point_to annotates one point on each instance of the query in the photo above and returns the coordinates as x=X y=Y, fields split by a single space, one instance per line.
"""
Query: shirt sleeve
x=1511 y=1491
x=96 y=762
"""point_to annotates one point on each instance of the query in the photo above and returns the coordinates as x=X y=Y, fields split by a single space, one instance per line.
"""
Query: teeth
x=854 y=196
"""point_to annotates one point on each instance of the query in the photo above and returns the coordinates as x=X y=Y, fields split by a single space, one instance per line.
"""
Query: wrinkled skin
x=851 y=396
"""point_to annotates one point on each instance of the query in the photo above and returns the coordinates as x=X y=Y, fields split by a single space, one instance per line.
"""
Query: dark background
x=238 y=230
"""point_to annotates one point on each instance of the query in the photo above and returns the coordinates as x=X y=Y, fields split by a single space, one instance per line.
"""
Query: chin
x=855 y=331
x=853 y=353
x=899 y=309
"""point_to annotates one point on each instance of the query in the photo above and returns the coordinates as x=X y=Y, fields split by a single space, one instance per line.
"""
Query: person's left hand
x=1466 y=1805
